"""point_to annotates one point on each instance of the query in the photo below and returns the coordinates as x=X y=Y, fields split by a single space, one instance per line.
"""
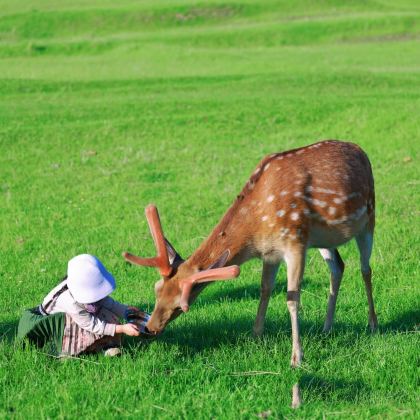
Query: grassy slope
x=179 y=103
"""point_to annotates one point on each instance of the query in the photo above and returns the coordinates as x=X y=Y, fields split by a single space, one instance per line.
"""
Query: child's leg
x=77 y=340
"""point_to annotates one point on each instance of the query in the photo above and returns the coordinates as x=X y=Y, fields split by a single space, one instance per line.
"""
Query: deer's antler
x=214 y=274
x=161 y=261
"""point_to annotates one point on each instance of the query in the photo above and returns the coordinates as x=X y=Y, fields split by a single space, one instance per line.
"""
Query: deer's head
x=180 y=282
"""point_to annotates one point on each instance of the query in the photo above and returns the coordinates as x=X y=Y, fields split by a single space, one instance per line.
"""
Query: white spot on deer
x=316 y=202
x=266 y=167
x=243 y=210
x=337 y=221
x=294 y=215
x=270 y=198
x=306 y=211
x=253 y=202
x=251 y=185
x=293 y=205
x=325 y=191
x=283 y=193
x=332 y=211
x=279 y=157
x=256 y=171
x=297 y=194
x=264 y=218
x=281 y=213
x=338 y=200
x=299 y=152
x=272 y=225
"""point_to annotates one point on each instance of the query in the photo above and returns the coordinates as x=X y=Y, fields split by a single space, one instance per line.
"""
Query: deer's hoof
x=257 y=333
x=327 y=329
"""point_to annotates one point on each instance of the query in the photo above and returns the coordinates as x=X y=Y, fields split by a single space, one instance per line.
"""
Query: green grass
x=107 y=106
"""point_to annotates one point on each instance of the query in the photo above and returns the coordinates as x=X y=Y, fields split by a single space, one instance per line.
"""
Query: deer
x=318 y=196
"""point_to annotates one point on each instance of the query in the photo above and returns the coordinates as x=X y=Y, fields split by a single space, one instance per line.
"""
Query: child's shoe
x=112 y=352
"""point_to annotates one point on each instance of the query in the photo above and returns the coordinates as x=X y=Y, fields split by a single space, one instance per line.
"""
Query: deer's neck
x=229 y=234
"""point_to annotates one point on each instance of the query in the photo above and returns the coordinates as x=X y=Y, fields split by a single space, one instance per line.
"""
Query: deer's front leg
x=267 y=285
x=295 y=261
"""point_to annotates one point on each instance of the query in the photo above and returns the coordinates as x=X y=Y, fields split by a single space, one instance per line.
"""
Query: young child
x=78 y=316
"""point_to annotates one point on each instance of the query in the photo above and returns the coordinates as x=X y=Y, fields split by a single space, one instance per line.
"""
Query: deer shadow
x=315 y=388
x=194 y=338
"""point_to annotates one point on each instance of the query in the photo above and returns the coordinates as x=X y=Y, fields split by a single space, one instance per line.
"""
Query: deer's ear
x=221 y=261
x=174 y=258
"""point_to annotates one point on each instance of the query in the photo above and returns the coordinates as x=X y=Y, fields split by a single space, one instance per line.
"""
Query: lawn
x=107 y=106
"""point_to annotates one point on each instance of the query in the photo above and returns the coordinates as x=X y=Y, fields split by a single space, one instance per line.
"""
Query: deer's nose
x=152 y=329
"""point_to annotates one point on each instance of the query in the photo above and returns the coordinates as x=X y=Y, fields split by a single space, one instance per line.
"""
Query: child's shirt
x=61 y=300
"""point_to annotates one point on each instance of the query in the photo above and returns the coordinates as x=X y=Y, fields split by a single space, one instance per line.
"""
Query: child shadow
x=8 y=331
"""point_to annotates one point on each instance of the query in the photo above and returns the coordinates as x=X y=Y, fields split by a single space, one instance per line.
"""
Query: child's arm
x=114 y=306
x=90 y=322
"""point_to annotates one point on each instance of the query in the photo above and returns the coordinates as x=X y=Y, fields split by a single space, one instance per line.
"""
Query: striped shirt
x=86 y=320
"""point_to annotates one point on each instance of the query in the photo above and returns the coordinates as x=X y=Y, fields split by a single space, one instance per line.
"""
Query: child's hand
x=128 y=329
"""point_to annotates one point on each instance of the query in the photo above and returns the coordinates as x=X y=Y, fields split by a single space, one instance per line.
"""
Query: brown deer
x=318 y=196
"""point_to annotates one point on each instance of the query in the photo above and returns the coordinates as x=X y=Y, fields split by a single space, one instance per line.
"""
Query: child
x=78 y=316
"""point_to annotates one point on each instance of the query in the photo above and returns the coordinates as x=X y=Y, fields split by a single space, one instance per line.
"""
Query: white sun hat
x=88 y=280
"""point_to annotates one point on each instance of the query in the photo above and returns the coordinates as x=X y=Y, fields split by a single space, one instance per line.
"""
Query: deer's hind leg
x=336 y=265
x=267 y=285
x=365 y=244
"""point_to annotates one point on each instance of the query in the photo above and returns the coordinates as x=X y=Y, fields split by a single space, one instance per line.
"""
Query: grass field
x=107 y=106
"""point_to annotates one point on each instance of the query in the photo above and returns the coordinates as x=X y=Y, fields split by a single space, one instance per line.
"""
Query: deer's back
x=320 y=195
